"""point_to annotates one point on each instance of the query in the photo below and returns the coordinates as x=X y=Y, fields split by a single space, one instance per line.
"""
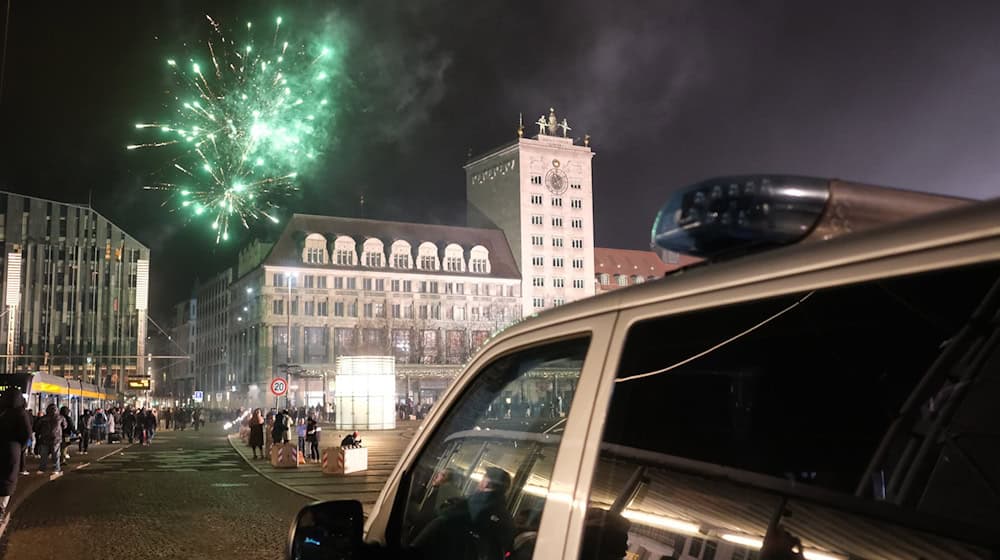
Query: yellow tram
x=42 y=389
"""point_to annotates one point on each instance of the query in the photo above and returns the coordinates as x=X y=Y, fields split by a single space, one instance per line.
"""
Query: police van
x=823 y=385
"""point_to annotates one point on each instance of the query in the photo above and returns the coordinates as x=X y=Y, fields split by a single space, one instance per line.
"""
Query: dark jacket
x=15 y=430
x=50 y=427
x=312 y=431
x=492 y=523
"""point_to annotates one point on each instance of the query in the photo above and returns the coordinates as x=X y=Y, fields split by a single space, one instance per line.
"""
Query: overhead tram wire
x=3 y=57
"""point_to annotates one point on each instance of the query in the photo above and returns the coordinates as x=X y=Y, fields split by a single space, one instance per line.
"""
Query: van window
x=479 y=487
x=798 y=392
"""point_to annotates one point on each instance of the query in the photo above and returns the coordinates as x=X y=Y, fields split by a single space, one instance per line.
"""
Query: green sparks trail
x=243 y=122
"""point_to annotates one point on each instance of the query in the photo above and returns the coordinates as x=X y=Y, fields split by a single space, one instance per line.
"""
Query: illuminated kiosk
x=365 y=392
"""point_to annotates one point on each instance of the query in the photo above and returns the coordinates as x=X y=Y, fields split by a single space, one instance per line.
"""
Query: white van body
x=955 y=238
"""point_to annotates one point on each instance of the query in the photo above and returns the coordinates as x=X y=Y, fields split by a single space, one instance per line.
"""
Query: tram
x=42 y=389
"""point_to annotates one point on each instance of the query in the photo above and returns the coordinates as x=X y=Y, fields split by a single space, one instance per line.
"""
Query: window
x=278 y=279
x=576 y=186
x=395 y=285
x=423 y=312
x=422 y=286
x=473 y=289
x=536 y=179
x=428 y=262
x=578 y=263
x=428 y=254
x=338 y=309
x=321 y=282
x=380 y=284
x=352 y=283
x=309 y=281
x=557 y=201
x=323 y=308
x=345 y=257
x=433 y=286
x=557 y=262
x=402 y=345
x=578 y=244
x=472 y=446
x=407 y=285
x=536 y=199
x=479 y=259
x=278 y=307
x=557 y=241
x=558 y=301
x=380 y=310
x=366 y=283
x=454 y=259
x=396 y=311
x=538 y=302
x=621 y=279
x=338 y=283
x=556 y=221
x=577 y=223
x=739 y=405
x=637 y=279
x=558 y=282
x=577 y=283
x=435 y=311
x=373 y=259
x=368 y=310
x=538 y=261
x=538 y=281
x=314 y=249
x=604 y=278
x=537 y=240
x=352 y=309
x=536 y=220
x=401 y=261
x=460 y=289
x=576 y=203
x=401 y=251
x=459 y=313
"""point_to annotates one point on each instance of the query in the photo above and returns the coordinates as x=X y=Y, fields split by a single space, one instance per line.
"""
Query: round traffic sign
x=279 y=386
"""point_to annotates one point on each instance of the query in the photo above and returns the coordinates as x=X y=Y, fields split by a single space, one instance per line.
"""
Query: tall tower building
x=539 y=192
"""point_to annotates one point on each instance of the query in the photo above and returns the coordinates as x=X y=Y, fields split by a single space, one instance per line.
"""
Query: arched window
x=344 y=250
x=479 y=260
x=402 y=254
x=454 y=258
x=374 y=252
x=314 y=250
x=427 y=256
x=605 y=279
x=621 y=279
x=637 y=279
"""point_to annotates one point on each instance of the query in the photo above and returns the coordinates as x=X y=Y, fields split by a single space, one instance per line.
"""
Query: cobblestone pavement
x=189 y=495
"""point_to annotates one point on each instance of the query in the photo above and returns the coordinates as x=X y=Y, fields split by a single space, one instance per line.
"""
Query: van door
x=762 y=423
x=491 y=473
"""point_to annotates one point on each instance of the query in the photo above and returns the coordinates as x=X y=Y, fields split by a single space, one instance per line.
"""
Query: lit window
x=621 y=279
x=454 y=260
x=605 y=278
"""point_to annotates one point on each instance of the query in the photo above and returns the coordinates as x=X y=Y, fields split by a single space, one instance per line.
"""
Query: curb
x=264 y=476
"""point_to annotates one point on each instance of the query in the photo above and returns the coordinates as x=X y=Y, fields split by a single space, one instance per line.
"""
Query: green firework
x=244 y=122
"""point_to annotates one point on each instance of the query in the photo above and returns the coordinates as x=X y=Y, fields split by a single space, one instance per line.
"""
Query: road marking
x=229 y=484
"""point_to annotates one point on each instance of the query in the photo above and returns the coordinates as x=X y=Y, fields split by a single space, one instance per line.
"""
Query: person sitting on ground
x=351 y=440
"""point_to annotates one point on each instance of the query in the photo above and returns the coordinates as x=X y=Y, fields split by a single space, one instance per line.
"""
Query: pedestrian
x=351 y=440
x=69 y=432
x=85 y=425
x=50 y=429
x=167 y=416
x=312 y=436
x=256 y=438
x=15 y=431
x=128 y=424
x=300 y=430
x=150 y=425
x=100 y=426
x=112 y=426
x=197 y=419
x=282 y=425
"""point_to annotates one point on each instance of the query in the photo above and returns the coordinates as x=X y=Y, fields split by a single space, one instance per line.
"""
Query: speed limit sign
x=279 y=386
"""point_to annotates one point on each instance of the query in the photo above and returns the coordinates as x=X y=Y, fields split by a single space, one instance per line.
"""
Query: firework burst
x=244 y=121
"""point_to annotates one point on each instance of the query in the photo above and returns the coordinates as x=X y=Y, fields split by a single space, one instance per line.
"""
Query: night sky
x=903 y=93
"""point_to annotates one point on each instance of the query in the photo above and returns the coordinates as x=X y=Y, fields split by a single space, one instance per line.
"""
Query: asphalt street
x=189 y=495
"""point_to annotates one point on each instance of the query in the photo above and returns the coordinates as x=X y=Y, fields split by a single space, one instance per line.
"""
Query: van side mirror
x=327 y=531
